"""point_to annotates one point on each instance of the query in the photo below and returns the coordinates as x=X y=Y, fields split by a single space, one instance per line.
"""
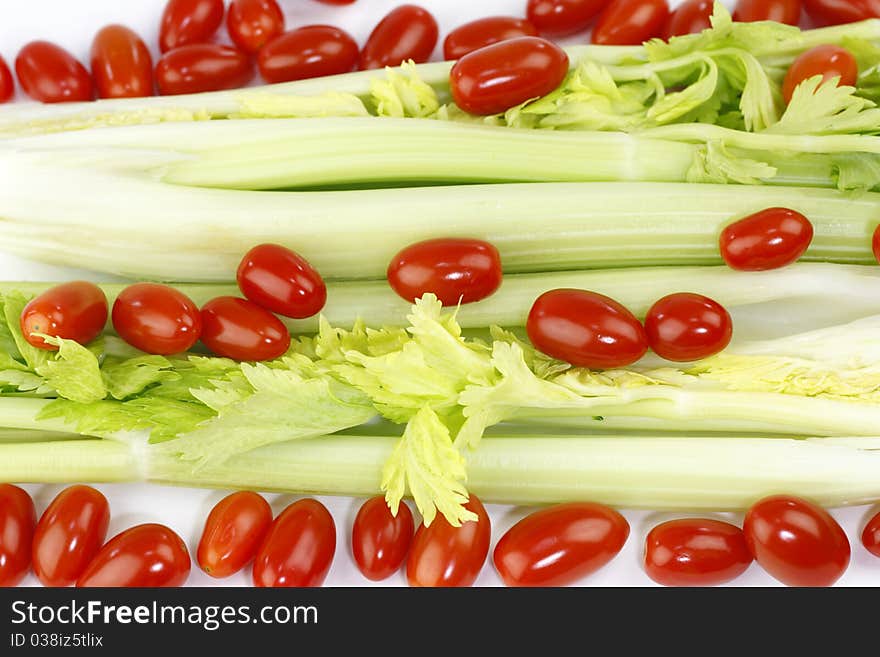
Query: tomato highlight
x=121 y=64
x=240 y=329
x=253 y=23
x=484 y=32
x=50 y=74
x=156 y=318
x=685 y=327
x=631 y=22
x=308 y=52
x=202 y=67
x=185 y=22
x=282 y=281
x=407 y=32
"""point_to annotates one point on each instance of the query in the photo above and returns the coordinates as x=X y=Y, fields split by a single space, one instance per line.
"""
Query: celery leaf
x=74 y=372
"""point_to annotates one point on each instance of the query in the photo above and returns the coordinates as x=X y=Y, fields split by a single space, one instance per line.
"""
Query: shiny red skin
x=696 y=552
x=280 y=280
x=379 y=540
x=871 y=536
x=147 y=555
x=156 y=318
x=769 y=239
x=50 y=74
x=73 y=311
x=875 y=243
x=17 y=521
x=827 y=60
x=7 y=84
x=233 y=533
x=299 y=548
x=457 y=270
x=781 y=11
x=484 y=32
x=185 y=22
x=559 y=545
x=691 y=17
x=685 y=327
x=202 y=67
x=631 y=22
x=837 y=12
x=407 y=32
x=121 y=64
x=240 y=329
x=253 y=23
x=586 y=329
x=495 y=78
x=445 y=556
x=796 y=542
x=308 y=52
x=70 y=533
x=559 y=18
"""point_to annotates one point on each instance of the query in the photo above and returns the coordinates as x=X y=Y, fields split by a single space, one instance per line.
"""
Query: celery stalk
x=800 y=297
x=634 y=472
x=127 y=224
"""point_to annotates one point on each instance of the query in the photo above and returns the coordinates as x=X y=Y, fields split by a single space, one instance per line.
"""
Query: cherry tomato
x=156 y=318
x=484 y=32
x=202 y=67
x=696 y=552
x=282 y=281
x=691 y=17
x=558 y=18
x=121 y=64
x=871 y=536
x=253 y=23
x=299 y=548
x=796 y=542
x=379 y=540
x=495 y=78
x=308 y=52
x=17 y=520
x=233 y=532
x=837 y=12
x=875 y=243
x=73 y=311
x=50 y=74
x=407 y=32
x=769 y=239
x=559 y=545
x=185 y=22
x=7 y=84
x=144 y=556
x=70 y=533
x=456 y=270
x=586 y=329
x=240 y=329
x=829 y=61
x=686 y=327
x=781 y=11
x=447 y=556
x=631 y=22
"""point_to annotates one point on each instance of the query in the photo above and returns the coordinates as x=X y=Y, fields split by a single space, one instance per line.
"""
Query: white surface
x=72 y=25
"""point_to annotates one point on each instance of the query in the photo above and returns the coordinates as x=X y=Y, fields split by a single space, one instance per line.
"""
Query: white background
x=72 y=24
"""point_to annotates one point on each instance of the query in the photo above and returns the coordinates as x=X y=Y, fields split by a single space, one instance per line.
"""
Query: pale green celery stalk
x=633 y=472
x=33 y=118
x=801 y=297
x=289 y=153
x=129 y=224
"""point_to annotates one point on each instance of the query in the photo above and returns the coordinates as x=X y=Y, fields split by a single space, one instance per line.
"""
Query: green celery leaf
x=715 y=163
x=283 y=406
x=74 y=373
x=13 y=305
x=817 y=108
x=403 y=94
x=426 y=462
x=127 y=377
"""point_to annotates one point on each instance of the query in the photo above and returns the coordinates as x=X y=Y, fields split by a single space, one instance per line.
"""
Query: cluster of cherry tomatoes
x=795 y=541
x=121 y=64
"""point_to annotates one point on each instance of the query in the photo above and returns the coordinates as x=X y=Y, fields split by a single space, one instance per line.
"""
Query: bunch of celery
x=619 y=182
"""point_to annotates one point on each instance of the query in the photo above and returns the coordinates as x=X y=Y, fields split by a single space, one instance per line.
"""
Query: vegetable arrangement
x=637 y=276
